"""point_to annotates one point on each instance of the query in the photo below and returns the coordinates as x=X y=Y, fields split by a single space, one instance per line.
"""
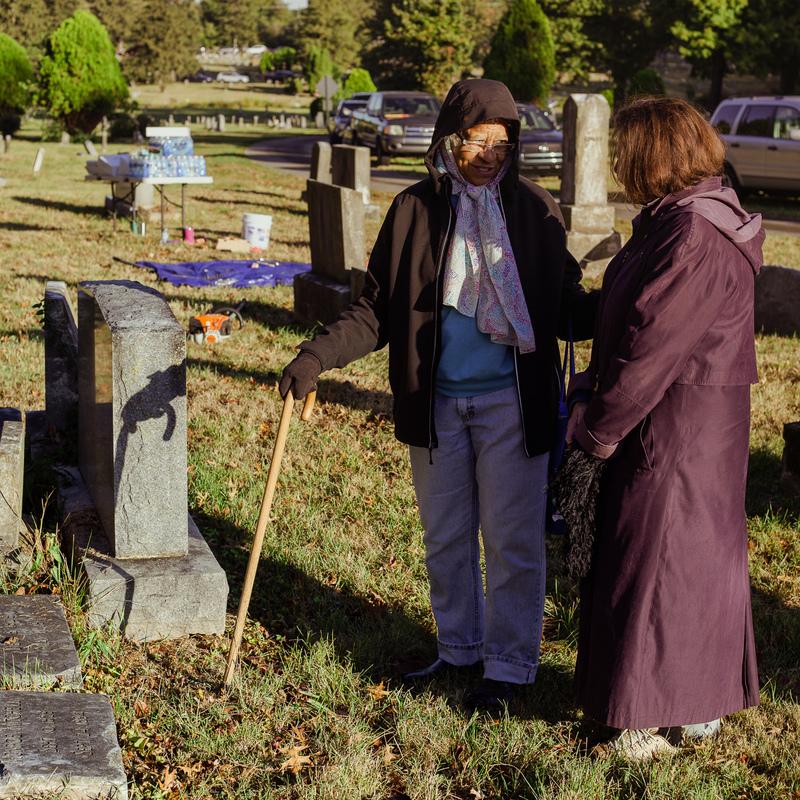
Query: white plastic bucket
x=256 y=228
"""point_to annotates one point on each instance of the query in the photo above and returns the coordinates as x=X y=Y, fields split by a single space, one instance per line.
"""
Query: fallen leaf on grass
x=377 y=692
x=296 y=760
x=389 y=755
x=140 y=708
x=167 y=778
x=11 y=640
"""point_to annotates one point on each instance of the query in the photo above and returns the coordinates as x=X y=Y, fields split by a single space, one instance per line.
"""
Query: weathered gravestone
x=61 y=745
x=321 y=162
x=12 y=465
x=588 y=217
x=350 y=168
x=36 y=647
x=132 y=417
x=125 y=513
x=790 y=462
x=60 y=359
x=777 y=301
x=338 y=256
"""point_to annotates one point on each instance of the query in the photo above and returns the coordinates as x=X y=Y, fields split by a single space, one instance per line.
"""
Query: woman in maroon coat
x=666 y=635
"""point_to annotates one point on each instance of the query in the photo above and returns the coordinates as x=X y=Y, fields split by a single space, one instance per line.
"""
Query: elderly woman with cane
x=469 y=282
x=666 y=635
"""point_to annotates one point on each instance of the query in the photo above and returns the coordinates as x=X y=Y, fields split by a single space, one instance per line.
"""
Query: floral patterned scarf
x=481 y=278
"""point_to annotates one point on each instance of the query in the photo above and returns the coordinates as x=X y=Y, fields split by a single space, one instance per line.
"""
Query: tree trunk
x=717 y=74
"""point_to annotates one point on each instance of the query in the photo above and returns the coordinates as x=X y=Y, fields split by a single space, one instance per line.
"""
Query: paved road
x=293 y=154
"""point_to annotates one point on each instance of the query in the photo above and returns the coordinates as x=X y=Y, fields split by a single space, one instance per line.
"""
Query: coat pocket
x=647 y=445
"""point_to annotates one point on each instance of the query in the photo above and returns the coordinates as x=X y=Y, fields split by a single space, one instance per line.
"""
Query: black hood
x=469 y=103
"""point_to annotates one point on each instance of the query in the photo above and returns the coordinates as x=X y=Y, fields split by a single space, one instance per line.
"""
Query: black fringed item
x=575 y=491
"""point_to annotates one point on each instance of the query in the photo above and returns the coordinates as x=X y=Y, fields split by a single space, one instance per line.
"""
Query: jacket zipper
x=437 y=275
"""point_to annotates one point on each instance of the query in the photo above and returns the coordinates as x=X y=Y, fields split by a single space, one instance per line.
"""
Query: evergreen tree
x=27 y=21
x=16 y=75
x=80 y=80
x=421 y=44
x=576 y=53
x=629 y=34
x=522 y=53
x=338 y=26
x=178 y=23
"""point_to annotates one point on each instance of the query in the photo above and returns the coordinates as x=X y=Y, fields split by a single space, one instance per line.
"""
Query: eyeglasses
x=500 y=149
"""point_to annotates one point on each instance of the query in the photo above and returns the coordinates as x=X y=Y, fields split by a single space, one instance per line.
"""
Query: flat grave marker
x=36 y=647
x=64 y=744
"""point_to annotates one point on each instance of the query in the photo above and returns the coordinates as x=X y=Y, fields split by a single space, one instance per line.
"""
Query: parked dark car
x=396 y=123
x=200 y=77
x=540 y=142
x=762 y=142
x=279 y=75
x=342 y=118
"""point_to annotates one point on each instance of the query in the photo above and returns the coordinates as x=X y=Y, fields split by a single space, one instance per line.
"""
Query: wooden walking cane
x=263 y=518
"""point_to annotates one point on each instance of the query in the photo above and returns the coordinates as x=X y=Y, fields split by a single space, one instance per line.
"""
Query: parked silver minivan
x=762 y=141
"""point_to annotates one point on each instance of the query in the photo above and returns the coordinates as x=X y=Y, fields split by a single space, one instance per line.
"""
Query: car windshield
x=534 y=119
x=349 y=106
x=409 y=106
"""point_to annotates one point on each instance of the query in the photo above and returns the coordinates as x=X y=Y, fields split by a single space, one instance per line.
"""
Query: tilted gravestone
x=148 y=568
x=59 y=745
x=12 y=465
x=60 y=359
x=338 y=254
x=36 y=647
x=132 y=417
x=588 y=217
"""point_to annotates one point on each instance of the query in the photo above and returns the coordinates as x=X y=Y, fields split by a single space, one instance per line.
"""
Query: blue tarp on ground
x=237 y=274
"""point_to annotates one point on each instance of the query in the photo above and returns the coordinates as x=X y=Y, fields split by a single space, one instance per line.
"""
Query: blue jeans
x=481 y=478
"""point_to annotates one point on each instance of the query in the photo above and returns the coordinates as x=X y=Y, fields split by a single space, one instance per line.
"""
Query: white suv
x=762 y=141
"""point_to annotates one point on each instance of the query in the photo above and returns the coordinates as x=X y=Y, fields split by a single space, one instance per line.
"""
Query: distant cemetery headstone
x=221 y=122
x=88 y=145
x=588 y=217
x=777 y=301
x=38 y=161
x=59 y=744
x=12 y=464
x=36 y=647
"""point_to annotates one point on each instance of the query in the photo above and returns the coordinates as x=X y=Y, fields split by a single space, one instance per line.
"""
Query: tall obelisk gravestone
x=588 y=217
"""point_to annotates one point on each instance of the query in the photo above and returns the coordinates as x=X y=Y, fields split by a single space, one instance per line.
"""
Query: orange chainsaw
x=216 y=325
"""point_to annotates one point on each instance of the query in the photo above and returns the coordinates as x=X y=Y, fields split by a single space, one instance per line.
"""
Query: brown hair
x=662 y=145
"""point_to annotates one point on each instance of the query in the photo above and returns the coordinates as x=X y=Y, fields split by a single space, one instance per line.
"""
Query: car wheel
x=731 y=179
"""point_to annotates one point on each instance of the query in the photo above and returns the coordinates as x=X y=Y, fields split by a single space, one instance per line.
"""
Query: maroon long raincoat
x=666 y=634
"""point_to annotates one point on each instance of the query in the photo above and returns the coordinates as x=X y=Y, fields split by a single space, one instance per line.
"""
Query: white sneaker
x=637 y=744
x=701 y=730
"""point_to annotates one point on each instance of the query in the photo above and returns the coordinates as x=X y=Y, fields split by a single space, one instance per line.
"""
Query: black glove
x=300 y=375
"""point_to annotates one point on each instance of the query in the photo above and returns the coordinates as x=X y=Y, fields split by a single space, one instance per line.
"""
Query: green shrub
x=646 y=82
x=522 y=53
x=359 y=80
x=318 y=63
x=121 y=127
x=609 y=96
x=80 y=80
x=281 y=58
x=16 y=75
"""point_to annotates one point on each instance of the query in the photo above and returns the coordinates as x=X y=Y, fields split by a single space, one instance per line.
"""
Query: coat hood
x=720 y=206
x=469 y=103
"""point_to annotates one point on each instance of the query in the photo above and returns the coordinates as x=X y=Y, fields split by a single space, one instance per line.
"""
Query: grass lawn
x=190 y=98
x=340 y=605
